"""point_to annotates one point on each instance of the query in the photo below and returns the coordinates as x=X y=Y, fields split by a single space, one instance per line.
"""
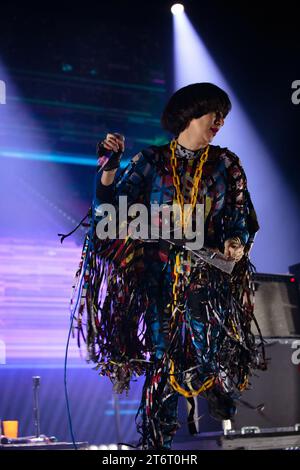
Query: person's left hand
x=234 y=249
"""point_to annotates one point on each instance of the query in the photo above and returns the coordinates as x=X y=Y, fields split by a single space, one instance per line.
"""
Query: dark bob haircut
x=192 y=102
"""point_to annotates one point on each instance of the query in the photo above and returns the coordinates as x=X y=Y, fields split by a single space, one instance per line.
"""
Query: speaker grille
x=277 y=304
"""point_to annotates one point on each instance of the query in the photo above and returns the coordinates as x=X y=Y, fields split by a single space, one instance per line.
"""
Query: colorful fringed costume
x=187 y=328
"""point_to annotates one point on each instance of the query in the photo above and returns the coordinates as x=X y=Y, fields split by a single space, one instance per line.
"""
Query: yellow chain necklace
x=192 y=392
x=184 y=218
x=176 y=182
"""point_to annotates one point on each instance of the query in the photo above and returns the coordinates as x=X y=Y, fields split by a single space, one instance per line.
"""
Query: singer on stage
x=146 y=307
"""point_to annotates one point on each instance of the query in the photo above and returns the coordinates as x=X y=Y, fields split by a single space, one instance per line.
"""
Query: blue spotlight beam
x=277 y=243
x=50 y=157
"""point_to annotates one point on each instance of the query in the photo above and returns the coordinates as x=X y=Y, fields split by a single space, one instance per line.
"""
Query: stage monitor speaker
x=273 y=399
x=277 y=304
x=295 y=270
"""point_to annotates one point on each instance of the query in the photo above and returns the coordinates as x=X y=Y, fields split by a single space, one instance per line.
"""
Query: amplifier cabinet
x=274 y=397
x=277 y=304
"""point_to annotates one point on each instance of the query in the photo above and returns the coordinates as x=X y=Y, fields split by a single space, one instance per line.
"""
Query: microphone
x=36 y=383
x=108 y=159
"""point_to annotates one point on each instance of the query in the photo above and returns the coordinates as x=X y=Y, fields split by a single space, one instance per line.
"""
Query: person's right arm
x=132 y=183
x=106 y=176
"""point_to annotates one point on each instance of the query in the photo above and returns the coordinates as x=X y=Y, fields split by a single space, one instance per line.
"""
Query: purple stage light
x=34 y=301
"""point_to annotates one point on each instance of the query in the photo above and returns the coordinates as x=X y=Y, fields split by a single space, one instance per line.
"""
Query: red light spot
x=292 y=279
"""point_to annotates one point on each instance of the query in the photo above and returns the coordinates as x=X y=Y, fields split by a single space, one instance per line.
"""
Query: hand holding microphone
x=111 y=149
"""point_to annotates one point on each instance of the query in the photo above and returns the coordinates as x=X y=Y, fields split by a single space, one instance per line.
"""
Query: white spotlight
x=177 y=8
